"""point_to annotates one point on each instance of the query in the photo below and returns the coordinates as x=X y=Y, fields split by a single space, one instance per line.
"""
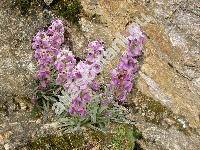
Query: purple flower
x=122 y=76
x=78 y=106
x=73 y=90
x=56 y=40
x=91 y=57
x=59 y=65
x=95 y=45
x=46 y=45
x=61 y=78
x=96 y=68
x=78 y=78
x=122 y=96
x=83 y=76
x=43 y=74
x=95 y=86
x=43 y=84
x=136 y=33
x=128 y=85
x=86 y=97
x=127 y=62
x=137 y=51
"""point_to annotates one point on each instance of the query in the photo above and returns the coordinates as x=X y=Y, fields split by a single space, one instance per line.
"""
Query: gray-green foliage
x=98 y=118
x=62 y=104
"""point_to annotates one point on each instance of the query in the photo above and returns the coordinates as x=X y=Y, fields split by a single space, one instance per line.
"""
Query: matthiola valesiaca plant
x=78 y=96
x=47 y=46
x=77 y=79
x=84 y=75
x=123 y=75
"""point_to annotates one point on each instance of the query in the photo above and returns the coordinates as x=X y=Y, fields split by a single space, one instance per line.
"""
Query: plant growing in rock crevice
x=71 y=86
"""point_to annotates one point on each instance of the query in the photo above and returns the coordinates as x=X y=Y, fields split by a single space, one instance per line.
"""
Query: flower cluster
x=75 y=78
x=78 y=105
x=86 y=71
x=64 y=64
x=78 y=79
x=122 y=76
x=47 y=46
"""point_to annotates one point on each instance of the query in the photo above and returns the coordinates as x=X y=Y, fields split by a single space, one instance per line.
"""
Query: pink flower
x=86 y=97
x=96 y=68
x=95 y=86
x=136 y=33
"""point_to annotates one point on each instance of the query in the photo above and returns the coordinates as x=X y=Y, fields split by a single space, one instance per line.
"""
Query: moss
x=1 y=112
x=96 y=18
x=68 y=9
x=121 y=137
x=125 y=137
x=26 y=5
x=65 y=142
x=158 y=110
x=154 y=111
x=36 y=112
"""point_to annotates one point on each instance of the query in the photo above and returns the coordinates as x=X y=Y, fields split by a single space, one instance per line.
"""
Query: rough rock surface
x=167 y=98
x=16 y=65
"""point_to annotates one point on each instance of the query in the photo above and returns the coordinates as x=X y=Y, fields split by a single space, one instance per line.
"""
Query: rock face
x=16 y=65
x=169 y=75
x=170 y=69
